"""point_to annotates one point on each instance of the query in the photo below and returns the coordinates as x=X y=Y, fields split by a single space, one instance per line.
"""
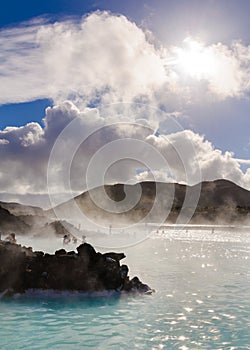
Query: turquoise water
x=202 y=301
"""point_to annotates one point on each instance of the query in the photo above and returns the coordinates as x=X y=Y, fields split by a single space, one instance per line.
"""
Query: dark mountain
x=11 y=223
x=223 y=193
x=20 y=209
x=212 y=202
x=22 y=219
x=219 y=201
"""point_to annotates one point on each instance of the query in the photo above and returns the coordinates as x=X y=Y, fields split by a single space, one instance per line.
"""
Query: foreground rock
x=22 y=269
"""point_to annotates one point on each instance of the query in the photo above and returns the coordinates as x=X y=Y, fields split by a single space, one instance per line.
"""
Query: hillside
x=219 y=201
x=11 y=223
x=21 y=209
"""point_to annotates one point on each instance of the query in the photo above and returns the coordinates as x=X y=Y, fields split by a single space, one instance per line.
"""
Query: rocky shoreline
x=86 y=270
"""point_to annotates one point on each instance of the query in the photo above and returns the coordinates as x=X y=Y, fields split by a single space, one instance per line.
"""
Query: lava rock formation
x=22 y=269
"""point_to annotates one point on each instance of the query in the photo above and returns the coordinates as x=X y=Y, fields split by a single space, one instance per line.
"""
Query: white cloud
x=4 y=142
x=190 y=156
x=127 y=153
x=102 y=54
x=218 y=69
x=26 y=135
x=243 y=161
x=107 y=58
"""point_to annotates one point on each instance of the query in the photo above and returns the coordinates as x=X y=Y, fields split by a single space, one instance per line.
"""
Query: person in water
x=66 y=239
x=11 y=238
x=74 y=239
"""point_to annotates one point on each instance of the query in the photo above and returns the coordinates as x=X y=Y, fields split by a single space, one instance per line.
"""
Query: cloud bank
x=183 y=156
x=103 y=54
x=105 y=58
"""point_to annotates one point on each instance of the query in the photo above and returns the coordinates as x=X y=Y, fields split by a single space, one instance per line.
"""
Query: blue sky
x=202 y=75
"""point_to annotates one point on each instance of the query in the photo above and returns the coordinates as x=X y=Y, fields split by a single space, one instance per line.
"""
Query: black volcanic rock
x=88 y=271
x=115 y=256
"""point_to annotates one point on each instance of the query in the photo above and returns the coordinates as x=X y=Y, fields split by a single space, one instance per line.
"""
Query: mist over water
x=201 y=302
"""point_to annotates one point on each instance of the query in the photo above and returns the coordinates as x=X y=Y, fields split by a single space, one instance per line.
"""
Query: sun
x=195 y=59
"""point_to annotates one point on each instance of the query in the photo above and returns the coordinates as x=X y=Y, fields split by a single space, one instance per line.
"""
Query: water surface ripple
x=201 y=302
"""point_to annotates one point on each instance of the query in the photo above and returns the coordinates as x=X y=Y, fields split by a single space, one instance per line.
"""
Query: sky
x=174 y=74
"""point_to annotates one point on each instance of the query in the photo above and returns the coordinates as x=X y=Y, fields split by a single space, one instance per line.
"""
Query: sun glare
x=196 y=60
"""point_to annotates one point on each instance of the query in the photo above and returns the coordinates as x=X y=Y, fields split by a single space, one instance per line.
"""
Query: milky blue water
x=202 y=301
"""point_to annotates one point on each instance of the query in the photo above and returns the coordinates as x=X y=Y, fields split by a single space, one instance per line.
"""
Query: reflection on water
x=201 y=302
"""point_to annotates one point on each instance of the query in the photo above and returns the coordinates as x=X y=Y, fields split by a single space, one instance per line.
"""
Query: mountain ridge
x=214 y=198
x=210 y=202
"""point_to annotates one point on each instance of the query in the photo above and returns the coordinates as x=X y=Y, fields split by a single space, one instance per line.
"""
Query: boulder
x=115 y=256
x=61 y=252
x=87 y=270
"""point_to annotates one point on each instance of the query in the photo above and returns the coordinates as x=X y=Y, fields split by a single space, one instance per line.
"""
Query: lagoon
x=202 y=284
